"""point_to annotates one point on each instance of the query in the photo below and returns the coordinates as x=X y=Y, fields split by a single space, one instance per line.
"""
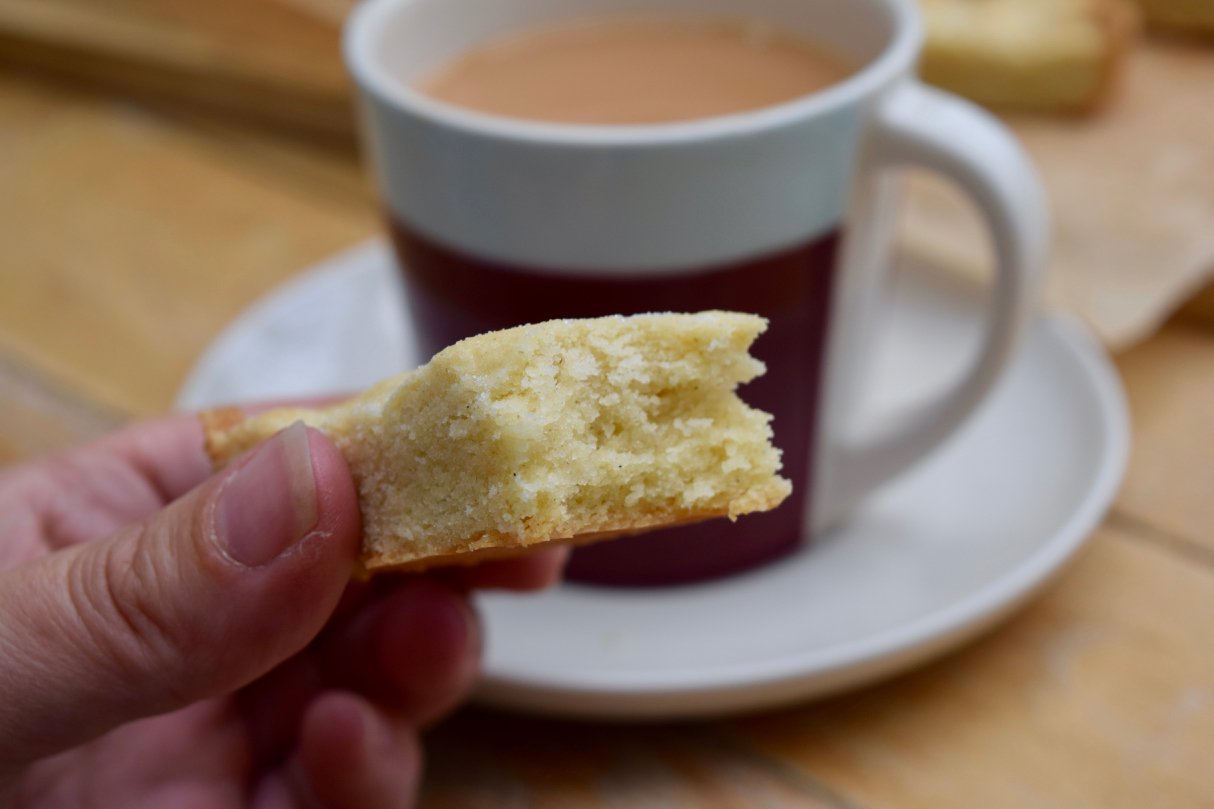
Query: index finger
x=168 y=452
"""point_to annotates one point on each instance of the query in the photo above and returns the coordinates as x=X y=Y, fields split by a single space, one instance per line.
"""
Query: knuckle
x=117 y=593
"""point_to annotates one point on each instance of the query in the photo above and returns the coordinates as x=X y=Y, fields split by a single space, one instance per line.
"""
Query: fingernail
x=270 y=503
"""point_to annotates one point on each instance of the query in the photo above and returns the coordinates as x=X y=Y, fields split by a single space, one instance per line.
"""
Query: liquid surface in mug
x=636 y=70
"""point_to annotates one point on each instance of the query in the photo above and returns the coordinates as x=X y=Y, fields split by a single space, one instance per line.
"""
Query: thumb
x=204 y=597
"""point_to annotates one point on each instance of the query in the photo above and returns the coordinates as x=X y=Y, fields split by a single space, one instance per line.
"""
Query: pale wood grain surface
x=130 y=239
x=38 y=416
x=261 y=59
x=1170 y=483
x=1099 y=694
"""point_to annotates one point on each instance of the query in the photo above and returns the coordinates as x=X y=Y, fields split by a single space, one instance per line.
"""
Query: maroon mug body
x=780 y=211
x=452 y=296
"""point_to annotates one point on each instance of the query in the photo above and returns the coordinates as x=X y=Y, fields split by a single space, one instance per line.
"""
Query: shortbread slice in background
x=568 y=430
x=1045 y=55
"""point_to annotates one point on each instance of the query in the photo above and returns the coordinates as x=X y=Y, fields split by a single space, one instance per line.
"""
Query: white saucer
x=933 y=559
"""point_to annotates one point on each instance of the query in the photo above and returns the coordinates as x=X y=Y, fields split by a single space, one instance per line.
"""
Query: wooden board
x=1170 y=483
x=486 y=759
x=130 y=240
x=1099 y=694
x=277 y=62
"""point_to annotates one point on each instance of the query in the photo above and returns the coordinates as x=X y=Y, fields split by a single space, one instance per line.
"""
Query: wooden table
x=130 y=237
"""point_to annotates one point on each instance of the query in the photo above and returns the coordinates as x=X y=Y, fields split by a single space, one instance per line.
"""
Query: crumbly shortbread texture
x=565 y=430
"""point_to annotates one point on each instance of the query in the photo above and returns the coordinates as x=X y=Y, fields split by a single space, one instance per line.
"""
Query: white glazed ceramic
x=927 y=562
x=650 y=198
x=684 y=197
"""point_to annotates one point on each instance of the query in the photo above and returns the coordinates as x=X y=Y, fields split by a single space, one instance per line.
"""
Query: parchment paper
x=1132 y=196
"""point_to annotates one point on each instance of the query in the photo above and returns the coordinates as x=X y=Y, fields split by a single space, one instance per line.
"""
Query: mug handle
x=915 y=125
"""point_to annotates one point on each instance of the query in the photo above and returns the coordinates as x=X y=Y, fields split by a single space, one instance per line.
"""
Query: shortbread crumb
x=567 y=430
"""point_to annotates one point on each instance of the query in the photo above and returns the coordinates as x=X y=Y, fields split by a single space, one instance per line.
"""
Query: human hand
x=171 y=638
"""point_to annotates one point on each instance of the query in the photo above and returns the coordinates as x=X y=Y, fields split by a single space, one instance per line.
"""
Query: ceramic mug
x=783 y=211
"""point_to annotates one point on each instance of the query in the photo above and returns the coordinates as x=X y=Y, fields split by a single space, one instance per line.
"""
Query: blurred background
x=168 y=161
x=163 y=163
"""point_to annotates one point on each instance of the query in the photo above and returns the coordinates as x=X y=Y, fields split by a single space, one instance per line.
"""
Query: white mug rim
x=365 y=21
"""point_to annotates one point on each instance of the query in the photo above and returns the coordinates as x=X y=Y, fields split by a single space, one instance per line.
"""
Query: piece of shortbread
x=1048 y=55
x=569 y=430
